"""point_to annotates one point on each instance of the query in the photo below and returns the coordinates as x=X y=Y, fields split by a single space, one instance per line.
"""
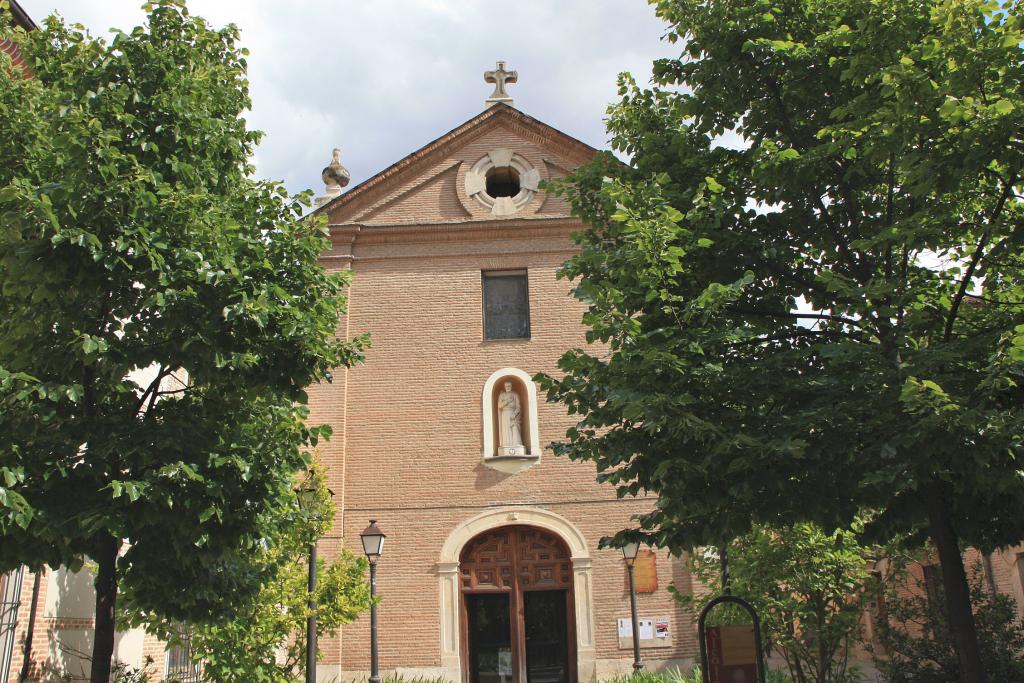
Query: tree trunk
x=954 y=582
x=824 y=657
x=106 y=598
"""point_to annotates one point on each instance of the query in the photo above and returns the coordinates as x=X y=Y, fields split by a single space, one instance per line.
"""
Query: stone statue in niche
x=510 y=423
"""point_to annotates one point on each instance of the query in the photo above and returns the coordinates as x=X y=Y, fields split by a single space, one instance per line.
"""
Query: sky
x=381 y=78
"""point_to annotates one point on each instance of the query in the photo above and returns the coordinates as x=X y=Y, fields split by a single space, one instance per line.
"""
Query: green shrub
x=915 y=645
x=667 y=676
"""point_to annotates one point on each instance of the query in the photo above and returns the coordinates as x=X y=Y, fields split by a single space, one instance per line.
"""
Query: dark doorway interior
x=490 y=638
x=517 y=606
x=547 y=647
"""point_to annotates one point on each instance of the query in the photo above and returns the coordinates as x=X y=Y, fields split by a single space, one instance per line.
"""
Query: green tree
x=810 y=589
x=913 y=641
x=132 y=236
x=246 y=648
x=829 y=315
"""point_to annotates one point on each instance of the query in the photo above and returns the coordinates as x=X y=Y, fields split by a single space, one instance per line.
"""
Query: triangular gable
x=429 y=166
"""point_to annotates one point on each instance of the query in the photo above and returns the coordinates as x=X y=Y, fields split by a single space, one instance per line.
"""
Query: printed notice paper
x=661 y=628
x=646 y=629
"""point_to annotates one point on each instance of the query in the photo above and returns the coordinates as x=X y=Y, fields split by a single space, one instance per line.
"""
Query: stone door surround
x=448 y=575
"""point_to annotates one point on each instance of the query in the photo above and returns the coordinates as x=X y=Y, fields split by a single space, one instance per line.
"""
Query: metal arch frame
x=702 y=635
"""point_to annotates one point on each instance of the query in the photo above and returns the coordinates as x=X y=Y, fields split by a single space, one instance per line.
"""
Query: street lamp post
x=629 y=551
x=307 y=501
x=311 y=644
x=373 y=545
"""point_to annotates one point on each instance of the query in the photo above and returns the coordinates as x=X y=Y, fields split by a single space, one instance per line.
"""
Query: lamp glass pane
x=630 y=550
x=307 y=497
x=372 y=544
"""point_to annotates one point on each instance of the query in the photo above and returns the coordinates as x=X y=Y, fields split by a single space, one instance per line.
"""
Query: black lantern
x=373 y=541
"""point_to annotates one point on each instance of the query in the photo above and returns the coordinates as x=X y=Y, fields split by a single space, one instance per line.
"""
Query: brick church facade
x=454 y=251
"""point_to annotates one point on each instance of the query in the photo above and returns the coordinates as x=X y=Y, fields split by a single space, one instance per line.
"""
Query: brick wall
x=63 y=631
x=39 y=637
x=12 y=50
x=407 y=446
x=408 y=438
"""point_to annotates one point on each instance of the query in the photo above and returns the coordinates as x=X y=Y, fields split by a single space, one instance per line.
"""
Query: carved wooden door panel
x=487 y=561
x=519 y=562
x=543 y=560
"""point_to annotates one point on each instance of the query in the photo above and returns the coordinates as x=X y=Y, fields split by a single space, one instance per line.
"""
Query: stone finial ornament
x=500 y=77
x=335 y=175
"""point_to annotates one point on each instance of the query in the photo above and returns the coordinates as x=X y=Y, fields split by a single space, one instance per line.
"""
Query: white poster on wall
x=646 y=629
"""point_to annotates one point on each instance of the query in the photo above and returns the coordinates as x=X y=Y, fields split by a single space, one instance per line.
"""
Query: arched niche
x=522 y=385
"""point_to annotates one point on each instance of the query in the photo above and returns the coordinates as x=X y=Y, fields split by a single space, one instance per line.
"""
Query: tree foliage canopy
x=810 y=590
x=913 y=641
x=827 y=315
x=266 y=641
x=133 y=236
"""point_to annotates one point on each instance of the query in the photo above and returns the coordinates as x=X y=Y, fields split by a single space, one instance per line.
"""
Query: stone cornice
x=515 y=228
x=343 y=237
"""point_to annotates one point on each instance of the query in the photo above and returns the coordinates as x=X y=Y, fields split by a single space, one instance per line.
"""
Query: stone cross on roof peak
x=500 y=77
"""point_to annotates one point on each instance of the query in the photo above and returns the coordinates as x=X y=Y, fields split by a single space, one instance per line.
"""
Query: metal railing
x=10 y=603
x=180 y=665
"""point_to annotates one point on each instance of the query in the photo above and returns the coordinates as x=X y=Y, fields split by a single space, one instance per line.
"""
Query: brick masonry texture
x=14 y=53
x=407 y=445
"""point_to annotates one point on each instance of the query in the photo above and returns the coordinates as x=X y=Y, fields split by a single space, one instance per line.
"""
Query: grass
x=677 y=676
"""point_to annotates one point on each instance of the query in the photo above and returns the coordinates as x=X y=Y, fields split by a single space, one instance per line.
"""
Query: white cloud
x=381 y=79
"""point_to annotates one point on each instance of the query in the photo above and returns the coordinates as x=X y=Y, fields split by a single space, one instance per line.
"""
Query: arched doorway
x=517 y=607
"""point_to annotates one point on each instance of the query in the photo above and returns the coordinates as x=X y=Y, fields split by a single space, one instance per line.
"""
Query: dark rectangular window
x=933 y=585
x=180 y=665
x=506 y=305
x=878 y=612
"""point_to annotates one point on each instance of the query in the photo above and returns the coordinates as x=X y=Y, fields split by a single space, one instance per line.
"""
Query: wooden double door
x=517 y=608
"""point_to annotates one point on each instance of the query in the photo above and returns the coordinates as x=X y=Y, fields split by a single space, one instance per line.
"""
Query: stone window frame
x=505 y=463
x=476 y=182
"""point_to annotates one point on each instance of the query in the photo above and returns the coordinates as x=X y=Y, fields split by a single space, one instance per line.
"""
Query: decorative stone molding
x=476 y=182
x=491 y=458
x=450 y=596
x=448 y=580
x=351 y=203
